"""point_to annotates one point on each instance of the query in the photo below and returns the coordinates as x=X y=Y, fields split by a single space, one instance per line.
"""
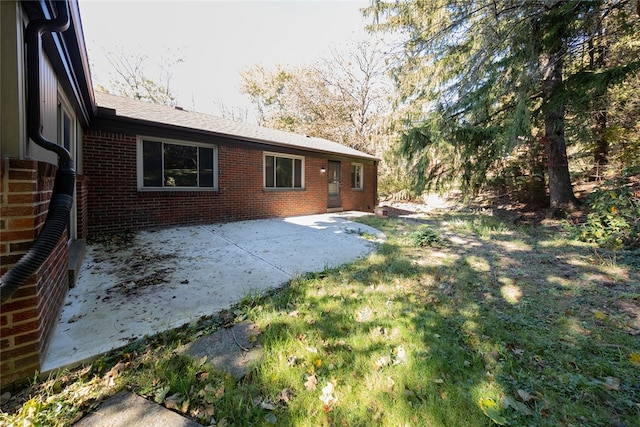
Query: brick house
x=135 y=165
x=157 y=165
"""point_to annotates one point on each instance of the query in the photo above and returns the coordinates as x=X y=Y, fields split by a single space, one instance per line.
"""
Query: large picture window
x=283 y=171
x=176 y=165
x=356 y=176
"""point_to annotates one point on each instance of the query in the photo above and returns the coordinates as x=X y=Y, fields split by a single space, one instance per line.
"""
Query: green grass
x=494 y=324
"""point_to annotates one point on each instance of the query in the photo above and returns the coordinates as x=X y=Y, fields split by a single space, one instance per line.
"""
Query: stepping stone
x=126 y=409
x=232 y=350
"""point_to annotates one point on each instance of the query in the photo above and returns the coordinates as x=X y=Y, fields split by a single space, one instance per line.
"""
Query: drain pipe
x=62 y=196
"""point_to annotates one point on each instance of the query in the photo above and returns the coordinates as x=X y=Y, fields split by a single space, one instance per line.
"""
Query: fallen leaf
x=400 y=355
x=382 y=362
x=507 y=401
x=327 y=396
x=524 y=395
x=491 y=409
x=267 y=406
x=285 y=395
x=109 y=378
x=174 y=401
x=161 y=395
x=209 y=410
x=311 y=382
x=202 y=375
x=219 y=393
x=634 y=358
x=600 y=315
x=292 y=361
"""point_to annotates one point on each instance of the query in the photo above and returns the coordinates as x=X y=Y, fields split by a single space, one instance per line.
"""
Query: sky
x=218 y=39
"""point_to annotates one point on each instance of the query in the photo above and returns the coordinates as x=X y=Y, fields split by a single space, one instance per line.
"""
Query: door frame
x=334 y=183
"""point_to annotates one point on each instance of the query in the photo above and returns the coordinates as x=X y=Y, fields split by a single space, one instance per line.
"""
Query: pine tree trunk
x=561 y=195
x=601 y=150
x=598 y=52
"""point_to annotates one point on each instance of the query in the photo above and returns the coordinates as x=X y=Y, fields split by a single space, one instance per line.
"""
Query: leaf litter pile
x=457 y=319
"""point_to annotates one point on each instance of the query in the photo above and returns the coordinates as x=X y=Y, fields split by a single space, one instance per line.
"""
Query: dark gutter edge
x=68 y=57
x=136 y=126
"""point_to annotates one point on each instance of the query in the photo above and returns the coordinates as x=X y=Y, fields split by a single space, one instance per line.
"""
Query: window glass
x=269 y=171
x=66 y=130
x=356 y=176
x=177 y=165
x=283 y=172
x=297 y=179
x=205 y=167
x=180 y=166
x=152 y=163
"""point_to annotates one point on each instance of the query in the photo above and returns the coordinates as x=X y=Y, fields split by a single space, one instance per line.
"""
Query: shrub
x=614 y=218
x=425 y=236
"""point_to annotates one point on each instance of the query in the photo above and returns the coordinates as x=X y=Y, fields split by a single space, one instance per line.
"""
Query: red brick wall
x=359 y=200
x=28 y=317
x=115 y=204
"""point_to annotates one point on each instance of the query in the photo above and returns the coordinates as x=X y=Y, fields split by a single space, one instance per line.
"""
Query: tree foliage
x=136 y=75
x=338 y=98
x=479 y=81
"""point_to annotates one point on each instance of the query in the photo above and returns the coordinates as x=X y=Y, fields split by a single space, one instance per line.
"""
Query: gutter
x=62 y=197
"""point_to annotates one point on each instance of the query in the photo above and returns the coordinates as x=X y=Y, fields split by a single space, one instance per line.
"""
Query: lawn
x=458 y=319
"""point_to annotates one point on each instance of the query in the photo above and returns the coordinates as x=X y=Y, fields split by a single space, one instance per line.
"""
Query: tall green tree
x=601 y=81
x=477 y=79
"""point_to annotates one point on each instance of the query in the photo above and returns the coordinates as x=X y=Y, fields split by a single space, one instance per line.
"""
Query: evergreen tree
x=478 y=79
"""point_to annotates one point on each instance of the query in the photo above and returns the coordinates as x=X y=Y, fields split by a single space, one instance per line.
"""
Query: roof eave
x=106 y=119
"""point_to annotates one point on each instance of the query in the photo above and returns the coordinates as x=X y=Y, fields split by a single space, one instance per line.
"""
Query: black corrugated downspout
x=62 y=196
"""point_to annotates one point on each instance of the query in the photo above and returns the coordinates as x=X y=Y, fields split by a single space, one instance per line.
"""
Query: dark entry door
x=334 y=179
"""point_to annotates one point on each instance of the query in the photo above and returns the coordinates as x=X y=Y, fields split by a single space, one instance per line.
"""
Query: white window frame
x=140 y=166
x=282 y=156
x=64 y=109
x=360 y=184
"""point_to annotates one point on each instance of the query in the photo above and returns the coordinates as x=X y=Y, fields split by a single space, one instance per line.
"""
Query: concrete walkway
x=165 y=278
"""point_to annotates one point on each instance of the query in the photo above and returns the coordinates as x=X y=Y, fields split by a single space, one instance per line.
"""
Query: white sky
x=218 y=39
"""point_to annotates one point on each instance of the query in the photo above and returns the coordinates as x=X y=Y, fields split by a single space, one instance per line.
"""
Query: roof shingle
x=145 y=111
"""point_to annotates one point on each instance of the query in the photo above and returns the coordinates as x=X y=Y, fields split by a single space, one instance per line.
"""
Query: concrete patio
x=162 y=279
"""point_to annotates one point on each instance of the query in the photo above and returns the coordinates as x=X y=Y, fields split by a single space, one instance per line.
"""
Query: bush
x=425 y=236
x=614 y=218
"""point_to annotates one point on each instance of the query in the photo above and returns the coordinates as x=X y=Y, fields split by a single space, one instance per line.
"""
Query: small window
x=283 y=171
x=356 y=176
x=175 y=165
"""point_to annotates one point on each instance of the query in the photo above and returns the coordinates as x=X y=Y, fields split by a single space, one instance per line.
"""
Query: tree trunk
x=561 y=195
x=598 y=52
x=601 y=150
